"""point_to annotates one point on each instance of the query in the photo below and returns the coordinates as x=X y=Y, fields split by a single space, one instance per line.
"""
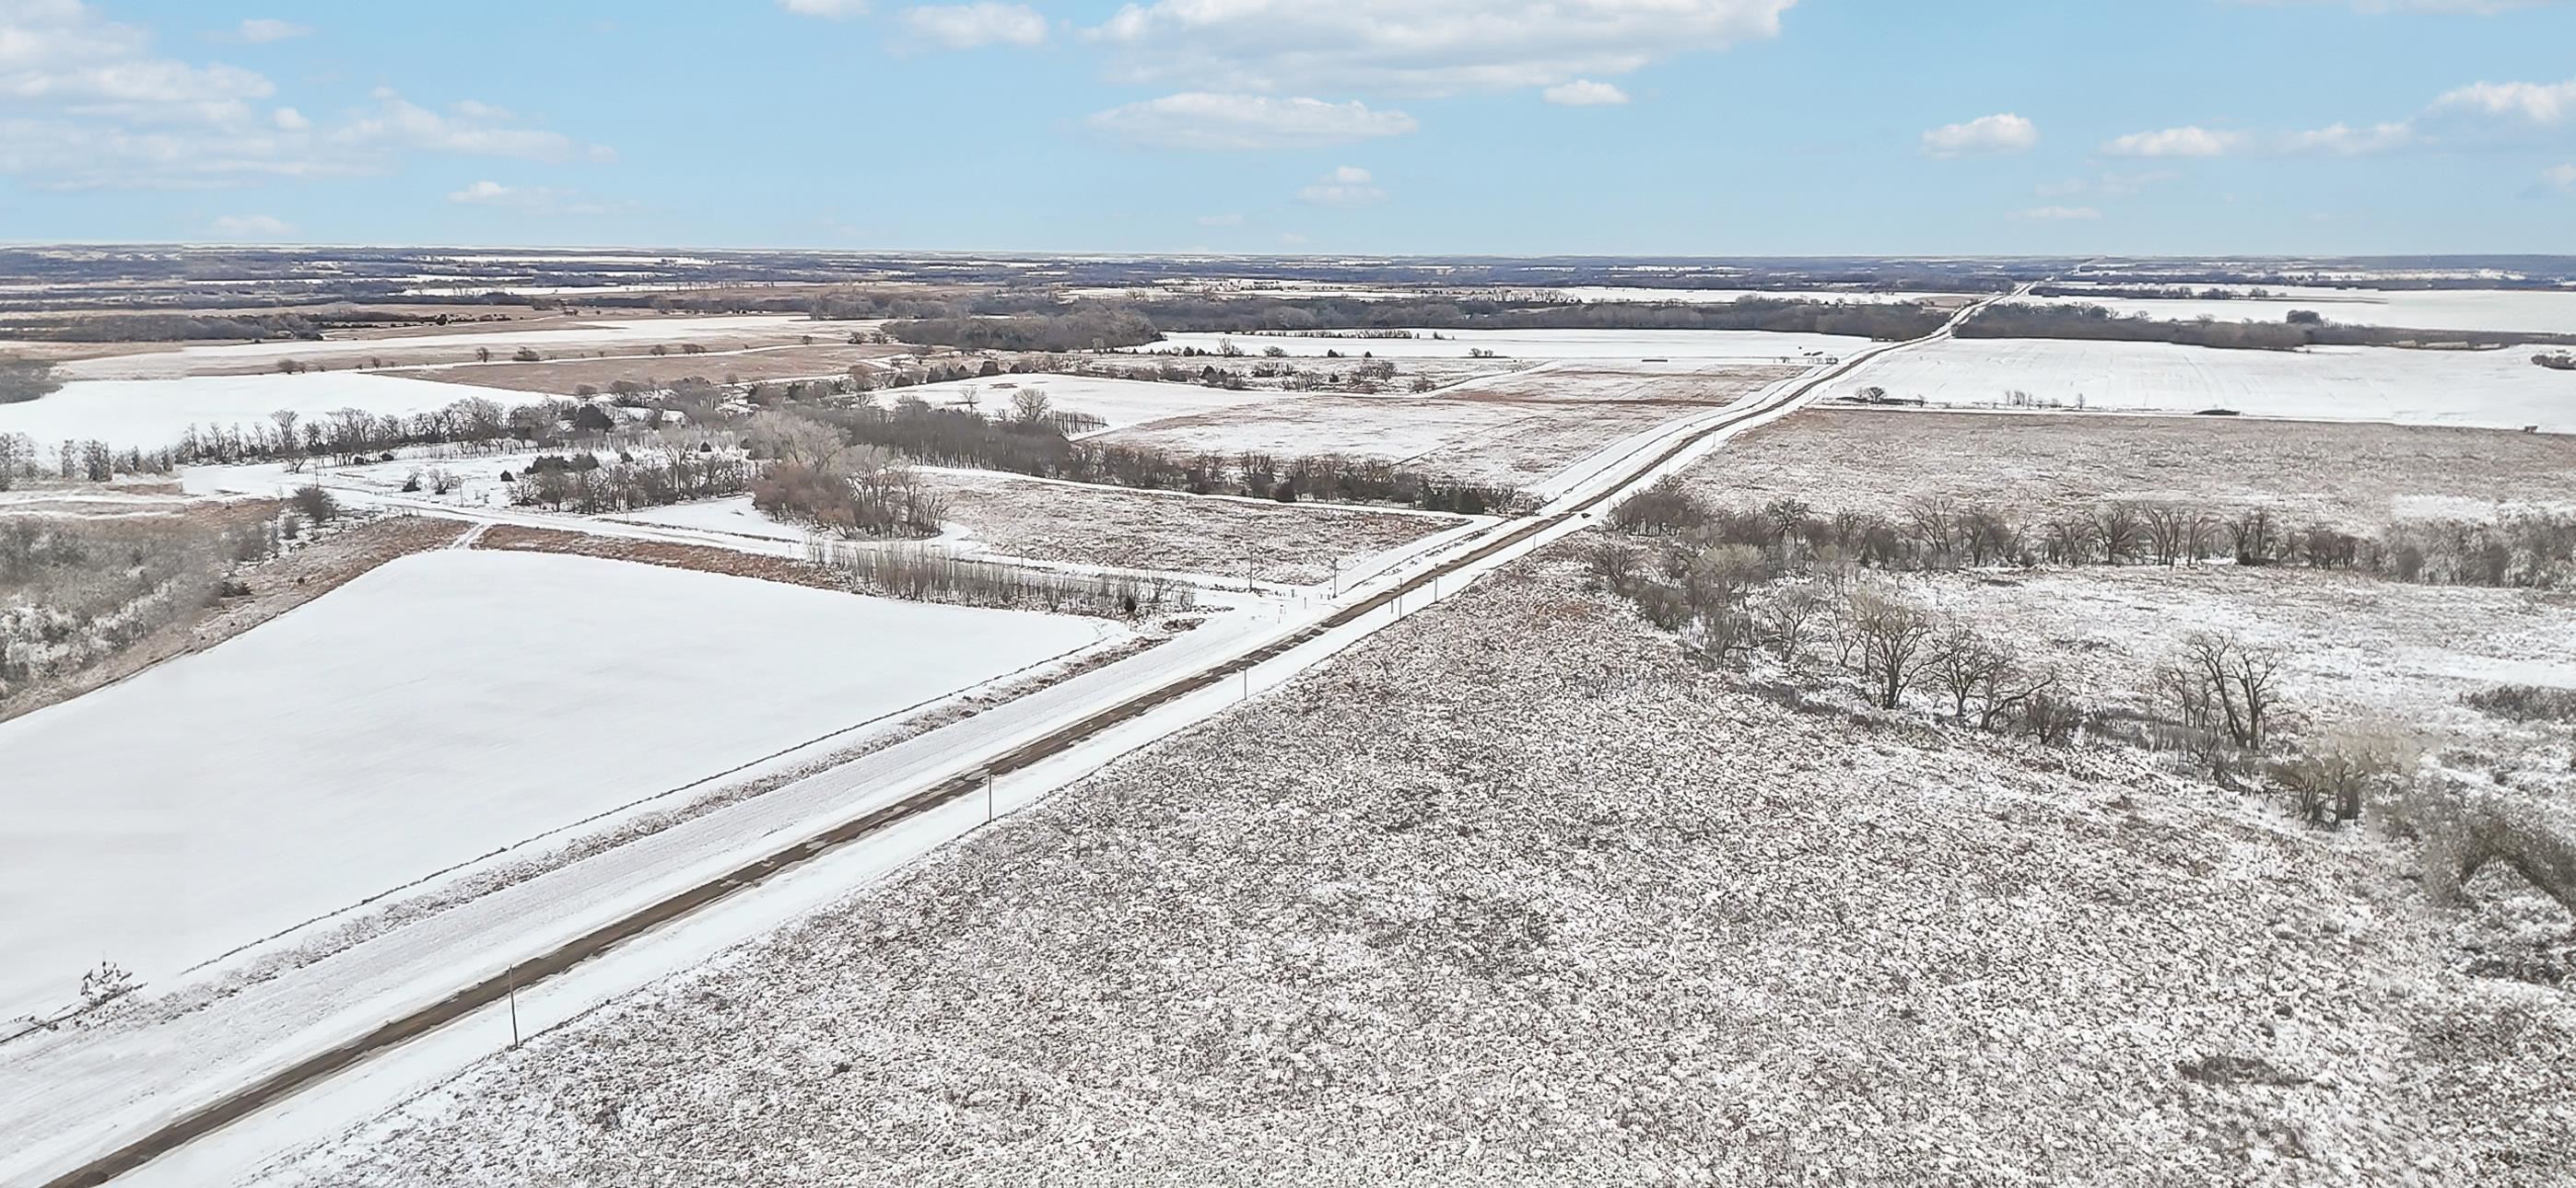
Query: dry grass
x=276 y=587
x=1160 y=530
x=702 y=558
x=562 y=377
x=2359 y=475
x=1487 y=901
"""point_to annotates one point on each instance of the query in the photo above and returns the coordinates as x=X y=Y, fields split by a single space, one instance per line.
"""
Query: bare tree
x=2121 y=530
x=1029 y=406
x=1788 y=617
x=1893 y=636
x=1962 y=665
x=2168 y=530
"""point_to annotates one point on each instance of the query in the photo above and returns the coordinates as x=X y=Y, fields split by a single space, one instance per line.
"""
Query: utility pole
x=514 y=1005
x=988 y=796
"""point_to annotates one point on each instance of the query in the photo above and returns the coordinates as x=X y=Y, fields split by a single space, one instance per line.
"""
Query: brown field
x=1627 y=383
x=1161 y=530
x=2359 y=475
x=1511 y=430
x=564 y=376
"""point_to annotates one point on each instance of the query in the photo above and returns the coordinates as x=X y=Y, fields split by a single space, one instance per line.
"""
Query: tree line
x=2298 y=328
x=1107 y=326
x=1027 y=439
x=2216 y=702
x=2523 y=548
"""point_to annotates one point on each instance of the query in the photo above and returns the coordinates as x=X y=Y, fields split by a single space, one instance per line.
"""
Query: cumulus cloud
x=2538 y=103
x=467 y=126
x=967 y=26
x=2342 y=140
x=828 y=9
x=252 y=227
x=2002 y=133
x=1584 y=92
x=1211 y=120
x=2560 y=177
x=1419 y=47
x=1346 y=186
x=2060 y=212
x=2190 y=141
x=90 y=103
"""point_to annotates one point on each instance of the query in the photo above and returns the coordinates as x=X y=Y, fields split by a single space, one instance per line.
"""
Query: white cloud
x=86 y=103
x=1423 y=47
x=2539 y=103
x=2561 y=177
x=484 y=193
x=2191 y=141
x=262 y=30
x=1221 y=220
x=2059 y=212
x=2347 y=141
x=1584 y=92
x=967 y=26
x=2003 y=133
x=252 y=227
x=533 y=200
x=467 y=126
x=829 y=9
x=1346 y=186
x=1205 y=120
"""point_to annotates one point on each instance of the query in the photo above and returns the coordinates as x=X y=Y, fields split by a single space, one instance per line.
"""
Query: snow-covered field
x=153 y=413
x=439 y=708
x=2539 y=311
x=1121 y=402
x=2354 y=647
x=1624 y=294
x=602 y=333
x=2354 y=474
x=2499 y=389
x=1515 y=894
x=1538 y=344
x=733 y=516
x=1219 y=538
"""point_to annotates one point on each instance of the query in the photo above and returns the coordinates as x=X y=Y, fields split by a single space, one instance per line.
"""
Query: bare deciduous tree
x=1893 y=637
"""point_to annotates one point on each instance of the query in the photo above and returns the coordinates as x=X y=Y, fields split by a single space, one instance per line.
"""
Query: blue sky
x=1507 y=127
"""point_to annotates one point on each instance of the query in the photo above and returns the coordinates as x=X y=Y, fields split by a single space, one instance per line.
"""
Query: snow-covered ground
x=2539 y=311
x=732 y=516
x=1623 y=294
x=1537 y=344
x=605 y=333
x=1516 y=894
x=153 y=413
x=2498 y=389
x=1121 y=402
x=446 y=705
x=2355 y=474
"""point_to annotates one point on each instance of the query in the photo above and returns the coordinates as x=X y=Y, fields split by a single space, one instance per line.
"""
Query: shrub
x=2525 y=703
x=316 y=503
